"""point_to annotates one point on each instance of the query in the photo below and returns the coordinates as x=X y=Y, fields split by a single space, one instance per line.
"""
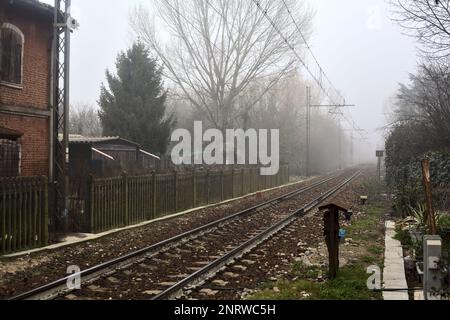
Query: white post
x=432 y=278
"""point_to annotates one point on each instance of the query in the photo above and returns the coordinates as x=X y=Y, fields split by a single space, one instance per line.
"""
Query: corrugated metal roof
x=78 y=139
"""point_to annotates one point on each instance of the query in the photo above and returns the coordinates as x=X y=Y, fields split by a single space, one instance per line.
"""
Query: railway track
x=164 y=270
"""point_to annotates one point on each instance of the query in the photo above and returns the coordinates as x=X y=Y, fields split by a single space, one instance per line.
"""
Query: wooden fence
x=117 y=202
x=23 y=214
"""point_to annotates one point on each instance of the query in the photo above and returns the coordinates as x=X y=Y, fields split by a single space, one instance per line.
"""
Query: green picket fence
x=23 y=214
x=123 y=201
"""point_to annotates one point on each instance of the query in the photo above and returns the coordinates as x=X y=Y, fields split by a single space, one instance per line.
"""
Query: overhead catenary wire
x=305 y=41
x=292 y=48
x=321 y=70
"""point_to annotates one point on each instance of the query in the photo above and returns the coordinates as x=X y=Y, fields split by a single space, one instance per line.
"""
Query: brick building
x=26 y=32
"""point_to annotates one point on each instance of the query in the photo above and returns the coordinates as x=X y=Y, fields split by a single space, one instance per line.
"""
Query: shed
x=107 y=156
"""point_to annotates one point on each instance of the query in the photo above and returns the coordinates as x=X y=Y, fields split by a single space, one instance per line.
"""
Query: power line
x=291 y=47
x=321 y=70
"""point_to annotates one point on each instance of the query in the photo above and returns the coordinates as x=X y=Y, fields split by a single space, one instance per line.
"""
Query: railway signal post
x=331 y=233
x=380 y=155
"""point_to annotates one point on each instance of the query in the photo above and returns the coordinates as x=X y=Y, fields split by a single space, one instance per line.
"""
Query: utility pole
x=308 y=130
x=340 y=145
x=352 y=162
x=309 y=106
x=352 y=147
x=63 y=25
x=380 y=155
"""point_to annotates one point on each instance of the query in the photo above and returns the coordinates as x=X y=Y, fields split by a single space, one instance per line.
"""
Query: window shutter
x=10 y=56
x=17 y=75
x=6 y=61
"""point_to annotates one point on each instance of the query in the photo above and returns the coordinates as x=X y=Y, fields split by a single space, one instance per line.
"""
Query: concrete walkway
x=394 y=276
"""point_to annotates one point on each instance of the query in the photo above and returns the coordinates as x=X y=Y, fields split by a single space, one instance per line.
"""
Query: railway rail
x=164 y=270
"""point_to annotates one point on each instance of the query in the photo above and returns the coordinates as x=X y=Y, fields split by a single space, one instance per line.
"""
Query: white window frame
x=14 y=28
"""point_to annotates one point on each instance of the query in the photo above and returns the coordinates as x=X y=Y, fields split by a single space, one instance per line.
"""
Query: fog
x=364 y=54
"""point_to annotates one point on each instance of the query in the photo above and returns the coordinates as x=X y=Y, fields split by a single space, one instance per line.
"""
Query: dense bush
x=404 y=172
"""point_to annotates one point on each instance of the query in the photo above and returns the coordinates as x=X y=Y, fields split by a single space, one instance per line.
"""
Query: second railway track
x=163 y=270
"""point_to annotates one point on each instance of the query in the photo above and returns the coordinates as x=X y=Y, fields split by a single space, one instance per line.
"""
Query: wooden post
x=3 y=217
x=20 y=190
x=331 y=233
x=208 y=190
x=288 y=176
x=243 y=182
x=126 y=218
x=44 y=224
x=431 y=218
x=222 y=198
x=232 y=184
x=176 y=190
x=194 y=188
x=154 y=190
x=90 y=203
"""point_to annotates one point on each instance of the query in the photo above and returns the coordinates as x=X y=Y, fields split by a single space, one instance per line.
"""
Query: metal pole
x=340 y=145
x=352 y=162
x=66 y=113
x=61 y=83
x=308 y=130
x=379 y=169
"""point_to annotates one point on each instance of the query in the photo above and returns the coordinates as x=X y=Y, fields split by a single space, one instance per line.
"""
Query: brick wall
x=34 y=142
x=36 y=60
x=37 y=30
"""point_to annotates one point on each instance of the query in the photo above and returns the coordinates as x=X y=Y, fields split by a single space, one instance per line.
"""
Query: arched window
x=11 y=54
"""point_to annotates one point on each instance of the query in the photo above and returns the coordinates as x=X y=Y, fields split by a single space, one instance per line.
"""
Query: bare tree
x=426 y=102
x=84 y=120
x=428 y=21
x=219 y=48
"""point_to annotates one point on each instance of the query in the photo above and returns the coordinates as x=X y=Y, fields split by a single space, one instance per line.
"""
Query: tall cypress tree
x=133 y=104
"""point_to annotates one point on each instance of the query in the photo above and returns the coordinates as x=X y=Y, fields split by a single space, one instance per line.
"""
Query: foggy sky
x=362 y=51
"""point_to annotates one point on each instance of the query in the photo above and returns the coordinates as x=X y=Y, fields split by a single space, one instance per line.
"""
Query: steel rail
x=55 y=288
x=212 y=268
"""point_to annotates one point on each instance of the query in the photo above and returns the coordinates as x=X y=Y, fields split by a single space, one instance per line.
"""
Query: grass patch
x=351 y=284
x=304 y=272
x=366 y=228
